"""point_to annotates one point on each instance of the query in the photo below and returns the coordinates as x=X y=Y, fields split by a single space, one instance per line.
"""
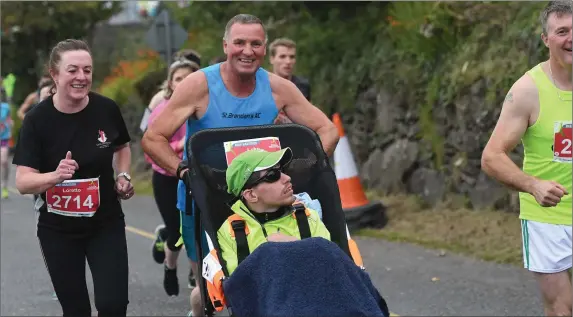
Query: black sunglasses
x=272 y=175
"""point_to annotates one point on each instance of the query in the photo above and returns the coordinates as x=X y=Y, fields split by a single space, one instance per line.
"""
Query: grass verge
x=488 y=235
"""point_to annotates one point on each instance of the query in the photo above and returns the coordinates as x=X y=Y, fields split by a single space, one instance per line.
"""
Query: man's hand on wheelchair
x=183 y=174
x=279 y=237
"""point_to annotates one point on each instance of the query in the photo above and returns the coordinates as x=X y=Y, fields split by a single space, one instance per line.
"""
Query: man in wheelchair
x=265 y=203
x=280 y=259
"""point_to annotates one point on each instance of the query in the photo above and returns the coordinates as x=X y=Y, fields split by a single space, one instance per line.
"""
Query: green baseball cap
x=244 y=165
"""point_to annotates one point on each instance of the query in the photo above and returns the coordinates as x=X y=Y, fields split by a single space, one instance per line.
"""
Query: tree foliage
x=30 y=29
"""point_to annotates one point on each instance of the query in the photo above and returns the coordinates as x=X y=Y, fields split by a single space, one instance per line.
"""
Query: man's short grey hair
x=244 y=19
x=559 y=7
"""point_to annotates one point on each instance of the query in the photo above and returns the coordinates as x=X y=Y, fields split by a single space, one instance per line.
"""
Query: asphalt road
x=414 y=281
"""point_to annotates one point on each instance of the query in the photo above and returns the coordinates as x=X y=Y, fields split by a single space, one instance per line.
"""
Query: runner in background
x=537 y=112
x=78 y=135
x=160 y=233
x=6 y=125
x=165 y=185
x=283 y=61
x=186 y=54
x=45 y=92
x=33 y=98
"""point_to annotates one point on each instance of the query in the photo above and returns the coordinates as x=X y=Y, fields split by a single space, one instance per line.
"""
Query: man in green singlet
x=537 y=111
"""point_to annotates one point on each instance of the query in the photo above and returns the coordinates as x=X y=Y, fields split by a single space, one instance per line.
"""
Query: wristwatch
x=182 y=165
x=124 y=174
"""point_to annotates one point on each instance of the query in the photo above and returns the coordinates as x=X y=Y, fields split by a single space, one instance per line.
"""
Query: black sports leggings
x=106 y=253
x=165 y=192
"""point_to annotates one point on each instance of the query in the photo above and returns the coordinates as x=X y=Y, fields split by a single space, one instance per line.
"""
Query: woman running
x=165 y=187
x=74 y=152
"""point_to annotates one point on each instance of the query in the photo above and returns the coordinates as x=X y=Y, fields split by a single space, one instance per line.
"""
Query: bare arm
x=512 y=124
x=122 y=163
x=122 y=159
x=31 y=181
x=26 y=105
x=182 y=105
x=302 y=112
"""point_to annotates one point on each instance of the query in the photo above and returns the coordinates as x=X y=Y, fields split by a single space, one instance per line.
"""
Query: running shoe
x=170 y=281
x=158 y=247
x=4 y=193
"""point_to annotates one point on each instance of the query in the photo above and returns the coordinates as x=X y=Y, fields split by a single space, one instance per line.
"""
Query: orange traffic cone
x=351 y=191
x=359 y=211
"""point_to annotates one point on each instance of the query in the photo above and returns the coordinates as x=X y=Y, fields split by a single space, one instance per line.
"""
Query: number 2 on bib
x=562 y=142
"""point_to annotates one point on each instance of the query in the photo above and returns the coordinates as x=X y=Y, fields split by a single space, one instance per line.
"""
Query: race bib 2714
x=74 y=198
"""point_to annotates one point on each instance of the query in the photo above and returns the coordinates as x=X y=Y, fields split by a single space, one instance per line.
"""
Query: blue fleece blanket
x=311 y=277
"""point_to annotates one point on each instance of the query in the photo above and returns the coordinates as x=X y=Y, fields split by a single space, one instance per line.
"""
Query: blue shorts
x=188 y=235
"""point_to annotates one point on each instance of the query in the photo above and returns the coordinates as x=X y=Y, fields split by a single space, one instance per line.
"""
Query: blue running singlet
x=226 y=110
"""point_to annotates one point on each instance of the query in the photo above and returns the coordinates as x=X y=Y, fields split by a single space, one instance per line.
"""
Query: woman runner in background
x=165 y=188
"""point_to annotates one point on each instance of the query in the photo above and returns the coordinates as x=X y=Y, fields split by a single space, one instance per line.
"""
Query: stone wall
x=394 y=157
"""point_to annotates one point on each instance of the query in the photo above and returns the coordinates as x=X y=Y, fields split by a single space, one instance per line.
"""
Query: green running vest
x=547 y=150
